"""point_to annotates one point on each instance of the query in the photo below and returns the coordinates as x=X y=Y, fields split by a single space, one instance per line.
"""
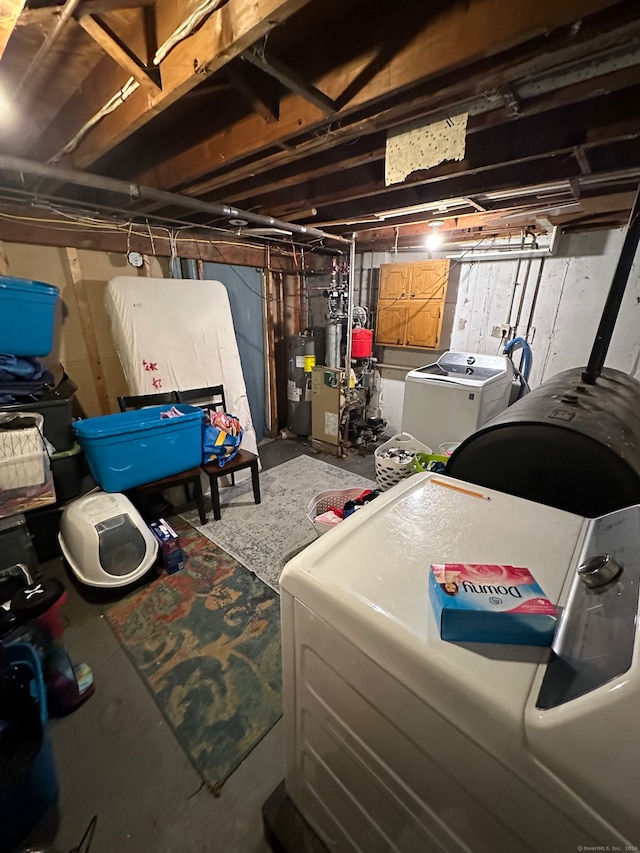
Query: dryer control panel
x=596 y=632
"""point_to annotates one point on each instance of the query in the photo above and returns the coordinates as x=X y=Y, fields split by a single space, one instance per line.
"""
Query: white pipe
x=506 y=255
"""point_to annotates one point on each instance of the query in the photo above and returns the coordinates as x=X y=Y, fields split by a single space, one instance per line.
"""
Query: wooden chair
x=191 y=477
x=213 y=398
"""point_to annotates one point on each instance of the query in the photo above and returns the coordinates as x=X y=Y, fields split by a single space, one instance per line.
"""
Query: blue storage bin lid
x=26 y=286
x=138 y=420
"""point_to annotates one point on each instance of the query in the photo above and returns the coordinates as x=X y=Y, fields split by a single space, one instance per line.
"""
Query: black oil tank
x=567 y=444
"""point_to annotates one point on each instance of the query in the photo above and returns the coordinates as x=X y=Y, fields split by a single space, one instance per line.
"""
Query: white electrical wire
x=186 y=27
x=112 y=104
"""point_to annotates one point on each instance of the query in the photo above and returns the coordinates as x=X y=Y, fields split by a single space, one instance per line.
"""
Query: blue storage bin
x=132 y=448
x=26 y=316
x=29 y=796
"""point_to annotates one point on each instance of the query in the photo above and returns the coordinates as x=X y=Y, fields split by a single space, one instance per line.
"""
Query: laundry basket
x=322 y=501
x=390 y=471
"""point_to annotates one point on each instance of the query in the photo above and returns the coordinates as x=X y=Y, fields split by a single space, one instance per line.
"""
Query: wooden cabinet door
x=394 y=281
x=391 y=324
x=423 y=324
x=429 y=280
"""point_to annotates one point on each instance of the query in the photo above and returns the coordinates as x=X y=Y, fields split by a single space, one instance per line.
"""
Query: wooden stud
x=9 y=13
x=271 y=352
x=458 y=35
x=48 y=14
x=229 y=30
x=291 y=81
x=88 y=330
x=114 y=47
x=4 y=261
x=196 y=247
x=267 y=107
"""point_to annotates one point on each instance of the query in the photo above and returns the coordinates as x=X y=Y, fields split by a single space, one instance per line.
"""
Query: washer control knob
x=599 y=570
x=471 y=359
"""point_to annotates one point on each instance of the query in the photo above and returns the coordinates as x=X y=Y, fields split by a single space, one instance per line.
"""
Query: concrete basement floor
x=118 y=759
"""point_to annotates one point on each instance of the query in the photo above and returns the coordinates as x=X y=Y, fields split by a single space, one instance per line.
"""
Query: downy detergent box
x=486 y=603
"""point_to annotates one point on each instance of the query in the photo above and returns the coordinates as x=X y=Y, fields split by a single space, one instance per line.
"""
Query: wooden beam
x=46 y=14
x=229 y=30
x=436 y=97
x=150 y=34
x=4 y=261
x=261 y=187
x=16 y=227
x=114 y=47
x=583 y=160
x=9 y=13
x=266 y=105
x=290 y=80
x=595 y=123
x=459 y=34
x=475 y=204
x=88 y=331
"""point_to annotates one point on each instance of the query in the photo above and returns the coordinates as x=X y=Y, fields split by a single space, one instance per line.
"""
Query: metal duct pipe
x=614 y=297
x=100 y=182
x=47 y=44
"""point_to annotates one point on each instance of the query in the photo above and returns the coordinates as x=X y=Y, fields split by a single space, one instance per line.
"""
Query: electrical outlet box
x=501 y=332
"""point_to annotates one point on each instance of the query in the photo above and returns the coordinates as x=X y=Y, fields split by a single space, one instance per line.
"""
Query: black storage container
x=68 y=468
x=44 y=526
x=16 y=545
x=56 y=409
x=567 y=444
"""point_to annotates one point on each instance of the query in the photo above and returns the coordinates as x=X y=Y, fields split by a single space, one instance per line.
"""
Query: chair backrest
x=205 y=398
x=143 y=401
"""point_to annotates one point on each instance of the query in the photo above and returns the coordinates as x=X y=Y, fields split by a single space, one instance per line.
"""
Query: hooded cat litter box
x=105 y=540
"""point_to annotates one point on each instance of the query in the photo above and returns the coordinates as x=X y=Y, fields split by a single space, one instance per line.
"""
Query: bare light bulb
x=434 y=241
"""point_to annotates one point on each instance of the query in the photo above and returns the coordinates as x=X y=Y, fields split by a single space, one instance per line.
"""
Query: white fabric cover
x=178 y=332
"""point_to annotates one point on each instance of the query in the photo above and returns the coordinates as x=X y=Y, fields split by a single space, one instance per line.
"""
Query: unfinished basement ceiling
x=283 y=108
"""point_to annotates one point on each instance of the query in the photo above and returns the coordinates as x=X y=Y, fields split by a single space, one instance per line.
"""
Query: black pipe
x=614 y=297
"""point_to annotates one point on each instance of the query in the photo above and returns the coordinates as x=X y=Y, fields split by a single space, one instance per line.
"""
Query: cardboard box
x=169 y=546
x=485 y=603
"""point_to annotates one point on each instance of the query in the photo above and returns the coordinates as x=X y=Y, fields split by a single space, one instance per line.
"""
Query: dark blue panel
x=244 y=286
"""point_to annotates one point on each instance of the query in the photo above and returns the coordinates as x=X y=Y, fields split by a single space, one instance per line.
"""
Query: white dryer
x=450 y=399
x=399 y=741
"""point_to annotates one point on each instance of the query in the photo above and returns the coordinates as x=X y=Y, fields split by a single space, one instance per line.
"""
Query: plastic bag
x=221 y=437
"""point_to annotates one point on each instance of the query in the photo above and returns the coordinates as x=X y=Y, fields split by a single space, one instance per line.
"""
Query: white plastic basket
x=322 y=501
x=21 y=443
x=389 y=471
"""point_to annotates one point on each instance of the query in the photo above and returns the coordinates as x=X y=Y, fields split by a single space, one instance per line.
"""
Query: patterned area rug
x=206 y=640
x=265 y=537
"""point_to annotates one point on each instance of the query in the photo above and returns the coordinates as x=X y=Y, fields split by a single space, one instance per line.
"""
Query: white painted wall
x=562 y=322
x=561 y=326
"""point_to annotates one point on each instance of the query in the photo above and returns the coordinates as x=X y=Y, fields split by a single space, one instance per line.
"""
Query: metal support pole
x=351 y=291
x=614 y=297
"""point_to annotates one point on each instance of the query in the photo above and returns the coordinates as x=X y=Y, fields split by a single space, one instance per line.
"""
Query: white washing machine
x=399 y=741
x=450 y=399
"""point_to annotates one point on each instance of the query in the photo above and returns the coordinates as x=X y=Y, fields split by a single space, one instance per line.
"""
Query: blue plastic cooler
x=27 y=310
x=129 y=449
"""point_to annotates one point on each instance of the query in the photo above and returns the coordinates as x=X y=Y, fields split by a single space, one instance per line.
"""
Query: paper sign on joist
x=416 y=147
